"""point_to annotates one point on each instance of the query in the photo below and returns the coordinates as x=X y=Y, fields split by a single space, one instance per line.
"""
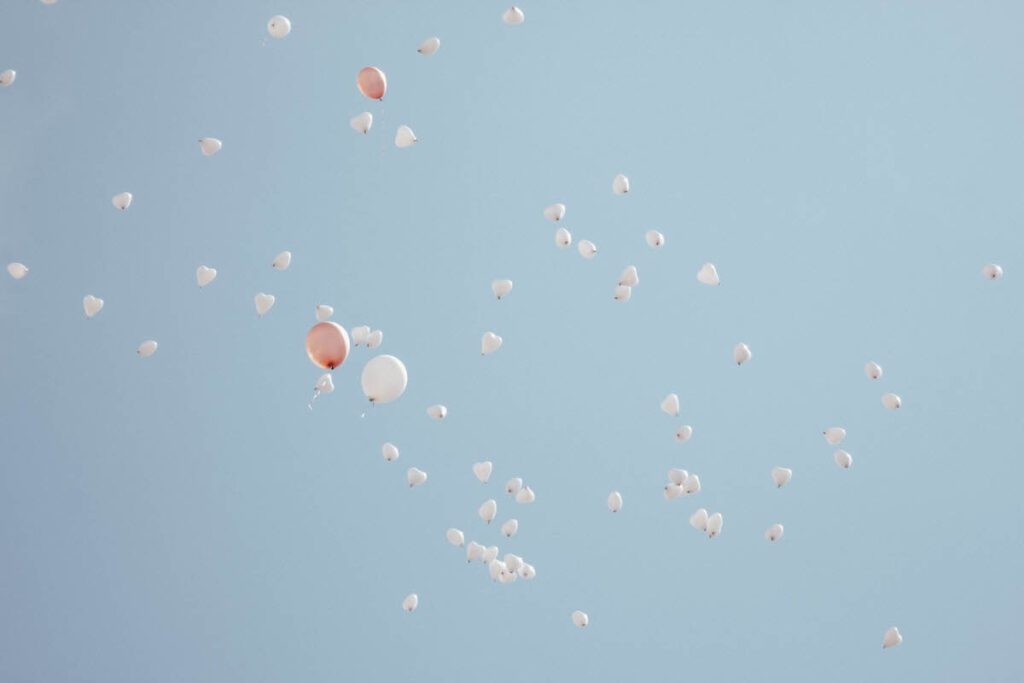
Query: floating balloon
x=677 y=476
x=474 y=551
x=384 y=379
x=692 y=484
x=699 y=520
x=490 y=343
x=587 y=249
x=781 y=476
x=834 y=435
x=892 y=638
x=741 y=354
x=620 y=184
x=708 y=274
x=389 y=451
x=714 y=525
x=264 y=302
x=623 y=293
x=873 y=370
x=488 y=510
x=490 y=552
x=482 y=471
x=684 y=433
x=563 y=238
x=7 y=77
x=437 y=411
x=279 y=27
x=673 y=491
x=372 y=82
x=455 y=537
x=525 y=495
x=405 y=137
x=512 y=486
x=992 y=271
x=509 y=528
x=210 y=146
x=429 y=46
x=513 y=16
x=359 y=334
x=527 y=571
x=843 y=459
x=17 y=270
x=774 y=532
x=323 y=312
x=654 y=239
x=415 y=476
x=205 y=275
x=122 y=201
x=501 y=288
x=555 y=212
x=411 y=602
x=374 y=339
x=670 y=405
x=891 y=401
x=146 y=348
x=629 y=277
x=324 y=385
x=48 y=2
x=580 y=619
x=92 y=305
x=495 y=568
x=513 y=562
x=282 y=261
x=361 y=123
x=614 y=501
x=327 y=344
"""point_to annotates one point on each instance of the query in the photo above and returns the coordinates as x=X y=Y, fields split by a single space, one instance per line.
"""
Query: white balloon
x=455 y=537
x=415 y=476
x=525 y=495
x=774 y=532
x=48 y=2
x=411 y=602
x=555 y=212
x=714 y=525
x=891 y=401
x=781 y=476
x=489 y=554
x=359 y=334
x=614 y=501
x=146 y=348
x=834 y=435
x=872 y=369
x=587 y=249
x=488 y=510
x=512 y=486
x=629 y=277
x=122 y=201
x=699 y=520
x=483 y=470
x=622 y=293
x=684 y=433
x=429 y=46
x=361 y=123
x=495 y=568
x=490 y=343
x=673 y=491
x=92 y=305
x=527 y=571
x=580 y=619
x=892 y=638
x=513 y=16
x=389 y=451
x=677 y=476
x=264 y=302
x=692 y=484
x=513 y=562
x=278 y=26
x=509 y=528
x=205 y=275
x=741 y=353
x=323 y=312
x=654 y=239
x=210 y=146
x=620 y=184
x=282 y=261
x=374 y=339
x=7 y=77
x=501 y=288
x=325 y=384
x=708 y=274
x=437 y=411
x=843 y=459
x=384 y=379
x=507 y=575
x=992 y=271
x=17 y=270
x=474 y=551
x=563 y=238
x=404 y=137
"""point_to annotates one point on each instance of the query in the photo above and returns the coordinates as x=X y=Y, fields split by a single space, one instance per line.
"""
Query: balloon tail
x=316 y=392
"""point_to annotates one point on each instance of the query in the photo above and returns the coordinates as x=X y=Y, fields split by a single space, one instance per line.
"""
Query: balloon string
x=316 y=392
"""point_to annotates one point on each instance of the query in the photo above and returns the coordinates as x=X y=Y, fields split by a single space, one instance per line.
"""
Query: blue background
x=848 y=166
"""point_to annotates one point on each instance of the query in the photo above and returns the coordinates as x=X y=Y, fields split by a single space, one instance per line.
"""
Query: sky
x=848 y=167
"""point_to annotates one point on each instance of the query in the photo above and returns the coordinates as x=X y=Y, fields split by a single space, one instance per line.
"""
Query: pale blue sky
x=848 y=166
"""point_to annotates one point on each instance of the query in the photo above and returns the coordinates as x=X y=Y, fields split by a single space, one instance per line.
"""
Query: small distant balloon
x=513 y=16
x=714 y=525
x=781 y=476
x=774 y=532
x=555 y=212
x=361 y=123
x=210 y=146
x=279 y=27
x=834 y=435
x=482 y=471
x=873 y=370
x=587 y=249
x=488 y=510
x=684 y=433
x=405 y=137
x=437 y=412
x=614 y=501
x=991 y=271
x=741 y=353
x=360 y=334
x=7 y=77
x=323 y=312
x=510 y=528
x=17 y=270
x=513 y=486
x=282 y=261
x=455 y=537
x=490 y=343
x=415 y=476
x=708 y=274
x=264 y=302
x=580 y=619
x=843 y=459
x=699 y=520
x=563 y=238
x=389 y=452
x=892 y=638
x=620 y=184
x=629 y=277
x=205 y=275
x=146 y=348
x=374 y=339
x=670 y=405
x=429 y=46
x=525 y=496
x=411 y=602
x=622 y=293
x=654 y=239
x=92 y=305
x=892 y=401
x=501 y=288
x=122 y=201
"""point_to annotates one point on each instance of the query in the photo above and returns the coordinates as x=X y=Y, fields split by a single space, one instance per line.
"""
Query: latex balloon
x=563 y=238
x=429 y=46
x=555 y=212
x=384 y=379
x=474 y=551
x=48 y=2
x=513 y=562
x=374 y=339
x=490 y=343
x=699 y=520
x=623 y=293
x=891 y=401
x=405 y=137
x=843 y=459
x=282 y=261
x=482 y=471
x=501 y=288
x=708 y=274
x=325 y=384
x=527 y=571
x=205 y=275
x=495 y=568
x=741 y=354
x=774 y=532
x=714 y=525
x=146 y=348
x=359 y=334
x=873 y=370
x=670 y=405
x=122 y=201
x=684 y=433
x=372 y=82
x=834 y=435
x=507 y=575
x=92 y=305
x=490 y=552
x=580 y=619
x=512 y=486
x=692 y=484
x=587 y=249
x=279 y=27
x=411 y=602
x=488 y=510
x=210 y=146
x=525 y=495
x=677 y=476
x=992 y=271
x=323 y=312
x=7 y=77
x=673 y=491
x=415 y=476
x=389 y=451
x=513 y=16
x=437 y=411
x=629 y=277
x=361 y=123
x=17 y=270
x=509 y=528
x=781 y=476
x=327 y=344
x=654 y=239
x=455 y=537
x=620 y=184
x=614 y=501
x=892 y=638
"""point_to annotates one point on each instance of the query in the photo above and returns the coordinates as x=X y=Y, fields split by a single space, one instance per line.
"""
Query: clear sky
x=849 y=167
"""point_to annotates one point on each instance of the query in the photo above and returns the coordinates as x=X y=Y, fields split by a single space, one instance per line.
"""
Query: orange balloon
x=327 y=344
x=372 y=82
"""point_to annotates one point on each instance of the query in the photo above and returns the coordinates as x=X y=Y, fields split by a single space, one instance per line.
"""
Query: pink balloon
x=372 y=82
x=327 y=344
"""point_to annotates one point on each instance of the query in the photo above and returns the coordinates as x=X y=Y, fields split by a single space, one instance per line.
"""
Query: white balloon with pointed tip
x=205 y=275
x=323 y=312
x=264 y=302
x=482 y=471
x=17 y=270
x=359 y=334
x=555 y=212
x=677 y=476
x=389 y=451
x=843 y=459
x=622 y=293
x=714 y=525
x=146 y=348
x=527 y=571
x=92 y=305
x=501 y=288
x=361 y=123
x=122 y=201
x=673 y=491
x=210 y=146
x=992 y=271
x=429 y=46
x=781 y=476
x=699 y=520
x=278 y=26
x=404 y=137
x=587 y=249
x=489 y=554
x=580 y=619
x=510 y=528
x=892 y=638
x=7 y=77
x=513 y=16
x=873 y=370
x=741 y=353
x=563 y=238
x=513 y=486
x=614 y=501
x=774 y=532
x=437 y=411
x=490 y=343
x=620 y=184
x=708 y=274
x=488 y=510
x=384 y=379
x=691 y=485
x=525 y=495
x=415 y=476
x=374 y=339
x=513 y=562
x=834 y=435
x=455 y=537
x=654 y=239
x=892 y=401
x=411 y=602
x=684 y=433
x=629 y=277
x=282 y=261
x=474 y=551
x=495 y=568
